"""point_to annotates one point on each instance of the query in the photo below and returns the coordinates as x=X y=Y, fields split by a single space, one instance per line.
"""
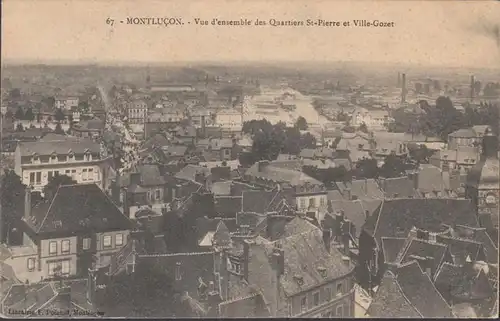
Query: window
x=328 y=293
x=339 y=311
x=32 y=178
x=52 y=248
x=322 y=201
x=84 y=174
x=71 y=157
x=316 y=299
x=302 y=203
x=38 y=179
x=339 y=289
x=312 y=202
x=65 y=246
x=119 y=239
x=303 y=304
x=31 y=264
x=86 y=243
x=50 y=175
x=36 y=160
x=236 y=267
x=91 y=174
x=67 y=172
x=65 y=269
x=178 y=275
x=53 y=158
x=106 y=240
x=290 y=309
x=53 y=268
x=157 y=194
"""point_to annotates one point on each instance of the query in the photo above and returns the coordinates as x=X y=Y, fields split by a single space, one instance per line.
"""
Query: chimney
x=27 y=203
x=399 y=80
x=346 y=238
x=64 y=295
x=279 y=260
x=327 y=238
x=203 y=126
x=367 y=213
x=135 y=178
x=262 y=164
x=490 y=145
x=337 y=225
x=246 y=257
x=472 y=91
x=403 y=88
x=429 y=263
x=213 y=303
x=348 y=193
x=346 y=260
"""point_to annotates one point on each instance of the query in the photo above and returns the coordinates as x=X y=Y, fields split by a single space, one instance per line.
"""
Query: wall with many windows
x=58 y=253
x=108 y=243
x=38 y=178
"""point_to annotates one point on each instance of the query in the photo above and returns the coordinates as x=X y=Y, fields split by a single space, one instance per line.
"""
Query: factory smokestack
x=403 y=89
x=472 y=85
x=399 y=80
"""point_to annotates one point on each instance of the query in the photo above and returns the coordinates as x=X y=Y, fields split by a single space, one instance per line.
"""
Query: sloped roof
x=149 y=173
x=227 y=206
x=462 y=248
x=251 y=306
x=78 y=208
x=221 y=235
x=281 y=175
x=298 y=225
x=400 y=186
x=61 y=145
x=422 y=248
x=409 y=293
x=189 y=172
x=304 y=253
x=395 y=218
x=221 y=188
x=391 y=247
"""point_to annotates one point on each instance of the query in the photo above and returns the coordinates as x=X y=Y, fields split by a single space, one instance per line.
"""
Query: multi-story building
x=80 y=226
x=310 y=194
x=373 y=119
x=37 y=162
x=66 y=102
x=229 y=119
x=137 y=111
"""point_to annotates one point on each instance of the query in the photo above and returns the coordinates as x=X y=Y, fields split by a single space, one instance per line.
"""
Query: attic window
x=322 y=271
x=57 y=224
x=299 y=279
x=178 y=275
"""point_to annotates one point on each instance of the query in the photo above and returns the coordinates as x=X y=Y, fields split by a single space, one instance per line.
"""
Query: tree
x=301 y=123
x=59 y=115
x=363 y=128
x=19 y=127
x=29 y=114
x=15 y=93
x=83 y=107
x=421 y=154
x=19 y=114
x=366 y=168
x=393 y=167
x=9 y=114
x=11 y=197
x=58 y=129
x=50 y=189
x=148 y=292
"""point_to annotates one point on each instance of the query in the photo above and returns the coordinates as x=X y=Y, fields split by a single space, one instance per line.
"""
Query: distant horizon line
x=127 y=63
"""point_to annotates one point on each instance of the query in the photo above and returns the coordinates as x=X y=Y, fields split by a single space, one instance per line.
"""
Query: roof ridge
x=461 y=239
x=240 y=298
x=174 y=254
x=404 y=295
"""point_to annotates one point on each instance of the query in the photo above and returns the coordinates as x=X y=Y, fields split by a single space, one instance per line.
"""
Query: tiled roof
x=221 y=236
x=391 y=247
x=362 y=189
x=461 y=249
x=463 y=282
x=78 y=208
x=355 y=211
x=298 y=225
x=157 y=140
x=395 y=218
x=398 y=187
x=479 y=235
x=221 y=188
x=263 y=202
x=189 y=172
x=281 y=175
x=430 y=179
x=464 y=133
x=409 y=287
x=421 y=248
x=174 y=150
x=227 y=206
x=61 y=146
x=390 y=302
x=304 y=253
x=150 y=176
x=252 y=306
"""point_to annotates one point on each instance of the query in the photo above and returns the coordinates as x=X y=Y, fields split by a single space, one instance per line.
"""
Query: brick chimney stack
x=27 y=203
x=403 y=88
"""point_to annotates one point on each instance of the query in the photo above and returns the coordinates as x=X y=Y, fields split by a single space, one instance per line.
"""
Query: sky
x=447 y=33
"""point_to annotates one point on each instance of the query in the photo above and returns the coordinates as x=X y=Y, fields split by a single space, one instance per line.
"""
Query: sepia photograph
x=249 y=159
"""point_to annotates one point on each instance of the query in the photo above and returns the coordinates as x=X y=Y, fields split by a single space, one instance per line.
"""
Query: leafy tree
x=29 y=114
x=15 y=93
x=19 y=114
x=366 y=168
x=421 y=154
x=349 y=129
x=253 y=126
x=328 y=175
x=393 y=167
x=9 y=114
x=11 y=197
x=477 y=87
x=341 y=116
x=301 y=123
x=50 y=102
x=59 y=115
x=19 y=127
x=83 y=107
x=58 y=129
x=363 y=128
x=148 y=292
x=54 y=182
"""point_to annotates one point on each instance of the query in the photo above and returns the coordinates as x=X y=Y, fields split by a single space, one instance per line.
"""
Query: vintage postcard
x=249 y=159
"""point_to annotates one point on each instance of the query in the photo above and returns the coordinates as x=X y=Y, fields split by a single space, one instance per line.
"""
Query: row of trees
x=271 y=140
x=30 y=116
x=393 y=166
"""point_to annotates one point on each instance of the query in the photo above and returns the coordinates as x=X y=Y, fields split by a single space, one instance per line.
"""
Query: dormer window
x=35 y=159
x=53 y=158
x=322 y=271
x=71 y=157
x=299 y=279
x=88 y=156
